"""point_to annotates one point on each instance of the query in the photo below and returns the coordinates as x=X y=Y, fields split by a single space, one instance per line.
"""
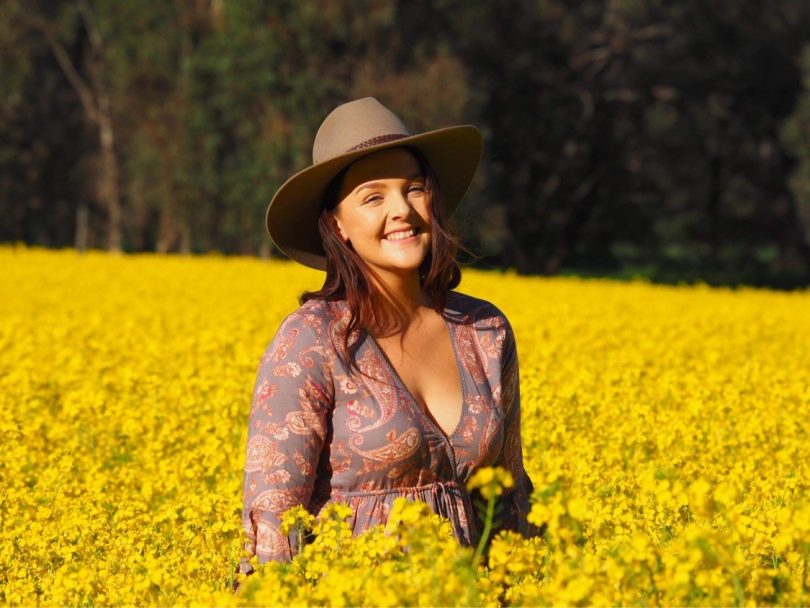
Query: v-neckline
x=425 y=411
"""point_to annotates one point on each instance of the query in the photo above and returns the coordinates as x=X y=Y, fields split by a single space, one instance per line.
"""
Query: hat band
x=380 y=139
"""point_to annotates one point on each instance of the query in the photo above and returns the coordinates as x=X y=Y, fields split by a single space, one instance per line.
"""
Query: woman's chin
x=401 y=264
x=404 y=257
x=404 y=267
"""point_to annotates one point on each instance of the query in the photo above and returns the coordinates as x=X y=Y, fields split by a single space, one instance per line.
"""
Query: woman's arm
x=515 y=502
x=292 y=400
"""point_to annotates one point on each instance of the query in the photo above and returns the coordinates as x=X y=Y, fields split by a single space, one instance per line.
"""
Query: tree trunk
x=166 y=231
x=264 y=249
x=583 y=202
x=713 y=204
x=81 y=227
x=109 y=182
x=138 y=213
x=185 y=237
x=97 y=106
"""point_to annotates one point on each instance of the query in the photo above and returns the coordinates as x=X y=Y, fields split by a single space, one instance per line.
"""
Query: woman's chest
x=382 y=436
x=425 y=364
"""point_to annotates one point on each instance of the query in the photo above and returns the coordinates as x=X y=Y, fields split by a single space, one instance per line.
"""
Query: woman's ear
x=343 y=236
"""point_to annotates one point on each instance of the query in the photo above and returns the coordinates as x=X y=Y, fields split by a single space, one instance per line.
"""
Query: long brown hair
x=349 y=277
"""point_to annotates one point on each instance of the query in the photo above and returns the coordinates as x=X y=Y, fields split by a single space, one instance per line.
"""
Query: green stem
x=479 y=550
x=739 y=592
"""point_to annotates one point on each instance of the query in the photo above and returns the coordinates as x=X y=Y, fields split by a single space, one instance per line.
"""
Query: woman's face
x=384 y=211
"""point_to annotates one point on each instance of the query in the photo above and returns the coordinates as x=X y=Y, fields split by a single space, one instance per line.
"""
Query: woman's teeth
x=402 y=234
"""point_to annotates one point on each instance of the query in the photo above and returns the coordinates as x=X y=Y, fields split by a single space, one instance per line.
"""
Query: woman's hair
x=349 y=278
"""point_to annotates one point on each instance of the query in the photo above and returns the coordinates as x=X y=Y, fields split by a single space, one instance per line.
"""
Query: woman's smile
x=403 y=236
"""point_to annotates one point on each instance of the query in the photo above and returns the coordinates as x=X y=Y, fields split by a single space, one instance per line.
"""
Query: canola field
x=665 y=430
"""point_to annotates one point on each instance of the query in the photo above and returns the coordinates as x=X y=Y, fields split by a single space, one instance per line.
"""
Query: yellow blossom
x=664 y=430
x=490 y=481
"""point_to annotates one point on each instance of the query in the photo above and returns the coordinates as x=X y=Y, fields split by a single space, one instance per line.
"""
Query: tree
x=639 y=134
x=93 y=92
x=796 y=134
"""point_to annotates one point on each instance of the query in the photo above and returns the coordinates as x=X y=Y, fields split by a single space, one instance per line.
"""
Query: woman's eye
x=416 y=188
x=373 y=198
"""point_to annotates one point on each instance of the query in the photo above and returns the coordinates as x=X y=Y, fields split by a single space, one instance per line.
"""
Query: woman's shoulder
x=321 y=310
x=476 y=311
x=298 y=349
x=313 y=316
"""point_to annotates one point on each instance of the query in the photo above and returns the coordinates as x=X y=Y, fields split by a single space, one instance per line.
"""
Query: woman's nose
x=400 y=206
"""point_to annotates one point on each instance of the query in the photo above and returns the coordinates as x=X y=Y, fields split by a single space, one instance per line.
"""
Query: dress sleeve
x=292 y=400
x=515 y=501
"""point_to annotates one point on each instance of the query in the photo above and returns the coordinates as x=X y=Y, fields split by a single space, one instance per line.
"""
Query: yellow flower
x=578 y=509
x=297 y=518
x=490 y=481
x=664 y=429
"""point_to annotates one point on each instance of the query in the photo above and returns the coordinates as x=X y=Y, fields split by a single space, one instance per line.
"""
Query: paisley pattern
x=321 y=432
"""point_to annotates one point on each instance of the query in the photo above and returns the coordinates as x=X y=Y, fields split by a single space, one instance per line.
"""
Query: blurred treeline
x=669 y=139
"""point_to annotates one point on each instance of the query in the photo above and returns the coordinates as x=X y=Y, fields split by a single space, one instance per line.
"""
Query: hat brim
x=292 y=215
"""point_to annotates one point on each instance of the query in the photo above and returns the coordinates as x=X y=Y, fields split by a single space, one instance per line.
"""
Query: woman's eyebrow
x=382 y=185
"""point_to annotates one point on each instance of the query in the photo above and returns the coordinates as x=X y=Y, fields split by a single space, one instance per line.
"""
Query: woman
x=384 y=383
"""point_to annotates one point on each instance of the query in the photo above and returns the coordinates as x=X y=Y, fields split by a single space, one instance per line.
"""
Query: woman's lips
x=402 y=236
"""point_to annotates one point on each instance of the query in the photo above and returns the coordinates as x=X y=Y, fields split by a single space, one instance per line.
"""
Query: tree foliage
x=624 y=137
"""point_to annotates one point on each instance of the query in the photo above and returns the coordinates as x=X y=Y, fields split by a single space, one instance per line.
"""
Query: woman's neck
x=399 y=303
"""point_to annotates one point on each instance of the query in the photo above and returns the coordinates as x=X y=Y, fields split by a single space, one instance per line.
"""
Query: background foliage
x=668 y=139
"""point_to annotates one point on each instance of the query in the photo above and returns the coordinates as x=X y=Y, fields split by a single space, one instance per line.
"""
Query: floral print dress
x=319 y=432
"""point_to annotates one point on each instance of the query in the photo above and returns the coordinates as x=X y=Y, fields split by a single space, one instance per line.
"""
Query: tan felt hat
x=352 y=130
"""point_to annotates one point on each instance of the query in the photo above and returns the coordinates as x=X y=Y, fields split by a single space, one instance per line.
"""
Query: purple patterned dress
x=320 y=432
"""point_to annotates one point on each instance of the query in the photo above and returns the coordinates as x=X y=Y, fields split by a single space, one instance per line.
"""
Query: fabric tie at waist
x=445 y=497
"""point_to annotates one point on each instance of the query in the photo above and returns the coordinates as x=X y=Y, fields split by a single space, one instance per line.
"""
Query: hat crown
x=355 y=125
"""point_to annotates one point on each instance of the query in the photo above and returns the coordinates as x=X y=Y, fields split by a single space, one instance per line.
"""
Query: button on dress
x=320 y=432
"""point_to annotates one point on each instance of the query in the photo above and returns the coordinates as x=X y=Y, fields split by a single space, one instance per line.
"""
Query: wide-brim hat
x=352 y=130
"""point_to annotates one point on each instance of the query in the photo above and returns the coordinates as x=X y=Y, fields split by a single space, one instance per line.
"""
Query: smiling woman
x=385 y=383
